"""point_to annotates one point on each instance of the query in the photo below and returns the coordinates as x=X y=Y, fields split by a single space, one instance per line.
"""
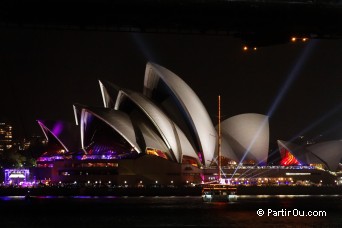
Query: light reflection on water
x=6 y=198
x=163 y=198
x=173 y=211
x=242 y=198
x=286 y=196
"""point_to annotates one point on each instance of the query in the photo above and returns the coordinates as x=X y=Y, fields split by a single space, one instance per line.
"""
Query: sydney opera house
x=165 y=136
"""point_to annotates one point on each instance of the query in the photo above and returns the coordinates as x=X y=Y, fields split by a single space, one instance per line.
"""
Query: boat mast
x=219 y=140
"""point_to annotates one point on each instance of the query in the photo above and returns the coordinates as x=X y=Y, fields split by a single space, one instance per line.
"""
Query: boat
x=217 y=191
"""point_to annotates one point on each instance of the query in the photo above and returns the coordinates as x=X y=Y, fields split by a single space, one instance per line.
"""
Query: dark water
x=168 y=212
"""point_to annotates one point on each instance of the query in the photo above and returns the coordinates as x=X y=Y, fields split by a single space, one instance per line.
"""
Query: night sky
x=44 y=72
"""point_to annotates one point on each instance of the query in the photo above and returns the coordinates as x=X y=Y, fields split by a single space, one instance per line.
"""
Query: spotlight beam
x=262 y=125
x=144 y=48
x=321 y=119
x=314 y=124
x=291 y=77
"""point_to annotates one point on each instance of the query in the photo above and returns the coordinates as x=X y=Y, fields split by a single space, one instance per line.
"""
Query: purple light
x=7 y=198
x=57 y=129
x=53 y=158
x=200 y=157
x=202 y=177
x=16 y=175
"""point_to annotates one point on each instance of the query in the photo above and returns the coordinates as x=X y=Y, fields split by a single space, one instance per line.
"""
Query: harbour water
x=171 y=211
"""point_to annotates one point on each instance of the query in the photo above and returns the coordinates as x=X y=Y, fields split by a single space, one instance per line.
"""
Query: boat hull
x=219 y=193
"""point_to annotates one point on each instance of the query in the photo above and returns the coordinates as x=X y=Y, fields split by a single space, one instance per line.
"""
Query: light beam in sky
x=281 y=94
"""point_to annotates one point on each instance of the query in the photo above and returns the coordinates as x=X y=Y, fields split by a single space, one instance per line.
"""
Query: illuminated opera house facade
x=164 y=136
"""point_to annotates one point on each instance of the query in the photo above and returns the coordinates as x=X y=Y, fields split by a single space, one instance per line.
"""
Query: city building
x=6 y=134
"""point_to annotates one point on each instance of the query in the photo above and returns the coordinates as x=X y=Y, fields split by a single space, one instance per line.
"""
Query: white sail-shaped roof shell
x=117 y=120
x=151 y=138
x=78 y=112
x=248 y=136
x=301 y=153
x=330 y=152
x=46 y=130
x=172 y=135
x=189 y=103
x=109 y=93
x=228 y=152
x=112 y=97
